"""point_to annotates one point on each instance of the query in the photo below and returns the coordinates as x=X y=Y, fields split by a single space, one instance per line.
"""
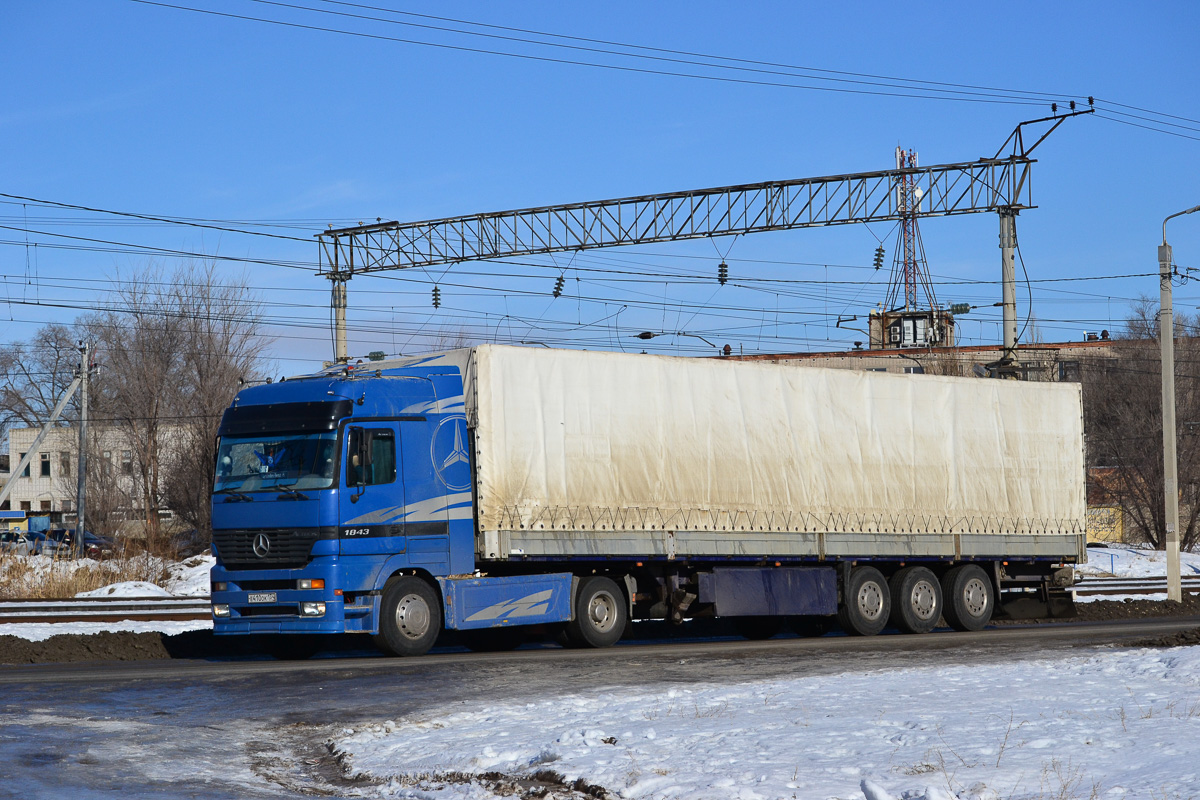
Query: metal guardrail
x=1099 y=586
x=106 y=609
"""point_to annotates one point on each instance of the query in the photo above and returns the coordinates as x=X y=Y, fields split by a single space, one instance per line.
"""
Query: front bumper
x=282 y=615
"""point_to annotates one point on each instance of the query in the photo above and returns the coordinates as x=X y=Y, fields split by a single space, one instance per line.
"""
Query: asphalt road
x=217 y=729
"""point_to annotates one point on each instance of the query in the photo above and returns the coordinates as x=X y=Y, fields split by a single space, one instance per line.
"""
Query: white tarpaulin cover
x=611 y=441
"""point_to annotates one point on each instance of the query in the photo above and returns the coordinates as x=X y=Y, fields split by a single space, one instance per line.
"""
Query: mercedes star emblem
x=262 y=545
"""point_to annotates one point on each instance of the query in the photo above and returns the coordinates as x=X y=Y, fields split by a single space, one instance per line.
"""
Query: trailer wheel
x=600 y=614
x=916 y=600
x=758 y=628
x=410 y=617
x=969 y=600
x=866 y=603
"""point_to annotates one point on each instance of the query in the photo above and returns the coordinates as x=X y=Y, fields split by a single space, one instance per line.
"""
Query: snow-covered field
x=1124 y=561
x=1121 y=724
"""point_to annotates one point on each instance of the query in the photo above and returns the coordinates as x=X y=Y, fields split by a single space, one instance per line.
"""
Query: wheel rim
x=602 y=611
x=923 y=600
x=975 y=597
x=412 y=616
x=870 y=601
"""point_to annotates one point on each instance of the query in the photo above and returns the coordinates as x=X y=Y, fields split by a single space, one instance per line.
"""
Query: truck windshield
x=275 y=461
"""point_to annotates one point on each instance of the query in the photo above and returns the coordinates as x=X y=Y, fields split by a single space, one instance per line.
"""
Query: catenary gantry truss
x=944 y=190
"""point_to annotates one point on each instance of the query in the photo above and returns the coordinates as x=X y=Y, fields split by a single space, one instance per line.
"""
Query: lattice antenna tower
x=910 y=271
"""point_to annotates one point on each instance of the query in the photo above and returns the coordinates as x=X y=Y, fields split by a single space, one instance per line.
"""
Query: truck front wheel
x=600 y=614
x=866 y=602
x=410 y=617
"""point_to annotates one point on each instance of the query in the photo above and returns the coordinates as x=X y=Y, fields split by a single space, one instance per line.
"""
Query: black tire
x=600 y=614
x=410 y=617
x=916 y=600
x=866 y=603
x=491 y=640
x=969 y=598
x=811 y=626
x=758 y=628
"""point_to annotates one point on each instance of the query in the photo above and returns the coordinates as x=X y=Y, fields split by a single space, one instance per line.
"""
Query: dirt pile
x=1104 y=610
x=108 y=646
x=1181 y=639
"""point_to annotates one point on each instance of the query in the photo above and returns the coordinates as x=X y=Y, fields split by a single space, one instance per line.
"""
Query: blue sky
x=133 y=107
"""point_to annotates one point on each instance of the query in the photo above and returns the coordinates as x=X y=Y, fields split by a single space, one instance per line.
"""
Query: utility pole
x=1166 y=340
x=1008 y=280
x=85 y=366
x=341 y=352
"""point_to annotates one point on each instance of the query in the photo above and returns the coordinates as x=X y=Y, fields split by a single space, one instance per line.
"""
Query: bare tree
x=34 y=375
x=1123 y=420
x=223 y=348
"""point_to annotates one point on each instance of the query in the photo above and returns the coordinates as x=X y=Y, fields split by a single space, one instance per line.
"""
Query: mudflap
x=473 y=603
x=1059 y=604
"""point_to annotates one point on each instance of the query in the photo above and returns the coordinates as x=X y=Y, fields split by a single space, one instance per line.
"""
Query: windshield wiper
x=234 y=496
x=288 y=493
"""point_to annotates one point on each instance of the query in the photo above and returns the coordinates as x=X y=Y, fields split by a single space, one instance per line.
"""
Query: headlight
x=312 y=609
x=310 y=583
x=219 y=586
x=220 y=609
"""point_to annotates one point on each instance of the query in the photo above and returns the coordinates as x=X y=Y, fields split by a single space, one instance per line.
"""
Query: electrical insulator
x=722 y=273
x=558 y=286
x=879 y=257
x=960 y=308
x=437 y=297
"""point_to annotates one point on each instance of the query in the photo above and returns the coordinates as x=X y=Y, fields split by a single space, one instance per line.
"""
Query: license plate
x=261 y=597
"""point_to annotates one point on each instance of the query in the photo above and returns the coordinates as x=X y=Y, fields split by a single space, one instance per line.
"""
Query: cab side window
x=371 y=457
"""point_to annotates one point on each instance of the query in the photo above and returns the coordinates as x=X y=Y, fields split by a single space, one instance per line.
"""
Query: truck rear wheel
x=916 y=600
x=410 y=617
x=866 y=602
x=969 y=600
x=600 y=614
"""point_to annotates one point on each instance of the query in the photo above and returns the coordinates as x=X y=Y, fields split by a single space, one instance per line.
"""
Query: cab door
x=371 y=490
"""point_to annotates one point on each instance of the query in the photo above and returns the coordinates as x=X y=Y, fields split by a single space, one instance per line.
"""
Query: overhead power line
x=914 y=93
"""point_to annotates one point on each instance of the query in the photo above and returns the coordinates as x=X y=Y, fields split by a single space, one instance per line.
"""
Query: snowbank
x=1117 y=725
x=127 y=589
x=190 y=578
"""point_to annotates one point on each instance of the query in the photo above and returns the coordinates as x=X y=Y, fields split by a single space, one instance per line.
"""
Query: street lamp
x=1166 y=338
x=651 y=335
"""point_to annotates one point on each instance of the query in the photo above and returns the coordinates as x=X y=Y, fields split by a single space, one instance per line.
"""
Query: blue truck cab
x=342 y=503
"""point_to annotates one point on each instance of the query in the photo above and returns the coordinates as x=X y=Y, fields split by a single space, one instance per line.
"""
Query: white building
x=48 y=485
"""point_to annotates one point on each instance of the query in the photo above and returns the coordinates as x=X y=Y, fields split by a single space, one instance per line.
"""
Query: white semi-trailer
x=491 y=487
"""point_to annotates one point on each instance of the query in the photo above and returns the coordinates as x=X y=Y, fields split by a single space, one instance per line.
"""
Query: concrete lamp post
x=1166 y=339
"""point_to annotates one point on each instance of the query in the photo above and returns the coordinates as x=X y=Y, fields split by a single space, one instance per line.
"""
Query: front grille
x=289 y=547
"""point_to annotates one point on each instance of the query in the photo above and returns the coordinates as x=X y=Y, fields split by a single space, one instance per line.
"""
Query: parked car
x=94 y=546
x=98 y=547
x=42 y=544
x=14 y=542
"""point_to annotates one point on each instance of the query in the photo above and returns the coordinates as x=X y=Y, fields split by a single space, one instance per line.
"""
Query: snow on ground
x=1120 y=724
x=1125 y=561
x=39 y=631
x=188 y=578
